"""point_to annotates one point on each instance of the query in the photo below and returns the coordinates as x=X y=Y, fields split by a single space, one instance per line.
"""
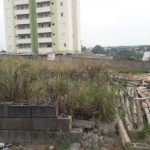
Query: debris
x=75 y=146
x=145 y=107
x=51 y=147
x=124 y=136
x=84 y=124
x=103 y=148
x=84 y=138
x=140 y=146
x=104 y=132
x=95 y=130
x=139 y=114
x=2 y=145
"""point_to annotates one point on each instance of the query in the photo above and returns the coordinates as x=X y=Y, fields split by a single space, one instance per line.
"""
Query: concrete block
x=10 y=124
x=4 y=136
x=20 y=136
x=72 y=136
x=48 y=111
x=42 y=136
x=83 y=123
x=3 y=111
x=33 y=123
x=140 y=146
x=59 y=124
x=39 y=136
x=20 y=111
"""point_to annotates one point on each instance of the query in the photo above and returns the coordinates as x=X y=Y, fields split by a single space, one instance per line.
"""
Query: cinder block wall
x=34 y=124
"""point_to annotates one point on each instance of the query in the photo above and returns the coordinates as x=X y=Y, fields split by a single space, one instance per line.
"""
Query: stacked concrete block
x=34 y=124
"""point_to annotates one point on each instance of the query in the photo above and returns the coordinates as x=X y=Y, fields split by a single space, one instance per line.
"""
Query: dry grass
x=82 y=89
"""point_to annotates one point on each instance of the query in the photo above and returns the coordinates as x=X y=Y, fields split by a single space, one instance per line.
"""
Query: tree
x=98 y=50
x=148 y=48
x=83 y=48
x=141 y=48
x=113 y=49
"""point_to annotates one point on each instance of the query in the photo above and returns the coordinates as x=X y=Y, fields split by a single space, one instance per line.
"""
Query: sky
x=108 y=22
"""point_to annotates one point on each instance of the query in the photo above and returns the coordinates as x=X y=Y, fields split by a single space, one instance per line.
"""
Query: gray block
x=3 y=111
x=10 y=124
x=39 y=136
x=20 y=136
x=19 y=111
x=33 y=123
x=59 y=124
x=40 y=111
x=72 y=136
x=42 y=136
x=83 y=123
x=4 y=136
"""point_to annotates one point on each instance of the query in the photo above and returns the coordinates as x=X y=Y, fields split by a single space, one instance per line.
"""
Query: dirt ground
x=29 y=147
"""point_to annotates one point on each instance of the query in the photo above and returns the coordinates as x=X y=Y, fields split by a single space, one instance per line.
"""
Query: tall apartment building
x=42 y=26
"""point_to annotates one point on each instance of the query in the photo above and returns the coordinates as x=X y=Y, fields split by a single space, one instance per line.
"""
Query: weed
x=82 y=89
x=130 y=70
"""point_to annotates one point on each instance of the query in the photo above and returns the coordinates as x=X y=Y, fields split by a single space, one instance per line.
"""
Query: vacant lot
x=83 y=89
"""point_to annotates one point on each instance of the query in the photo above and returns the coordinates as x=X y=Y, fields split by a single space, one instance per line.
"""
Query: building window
x=49 y=45
x=62 y=14
x=61 y=3
x=64 y=44
x=48 y=35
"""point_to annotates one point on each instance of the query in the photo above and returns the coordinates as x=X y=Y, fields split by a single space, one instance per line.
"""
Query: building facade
x=42 y=26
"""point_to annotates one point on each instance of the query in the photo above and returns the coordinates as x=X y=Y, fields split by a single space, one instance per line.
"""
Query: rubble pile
x=133 y=108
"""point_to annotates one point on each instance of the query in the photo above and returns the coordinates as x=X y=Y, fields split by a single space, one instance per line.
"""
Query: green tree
x=113 y=49
x=148 y=48
x=98 y=50
x=83 y=48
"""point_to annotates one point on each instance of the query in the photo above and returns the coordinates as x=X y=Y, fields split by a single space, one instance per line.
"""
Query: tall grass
x=82 y=89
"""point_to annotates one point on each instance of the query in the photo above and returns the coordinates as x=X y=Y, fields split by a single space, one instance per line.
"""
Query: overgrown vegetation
x=130 y=70
x=83 y=89
x=141 y=136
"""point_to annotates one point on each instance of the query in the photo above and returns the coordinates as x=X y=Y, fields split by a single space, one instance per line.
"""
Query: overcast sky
x=109 y=22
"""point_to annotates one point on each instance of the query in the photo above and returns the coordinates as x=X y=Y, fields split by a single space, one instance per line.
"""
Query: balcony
x=45 y=50
x=43 y=9
x=22 y=2
x=23 y=31
x=44 y=40
x=44 y=30
x=24 y=50
x=22 y=21
x=23 y=41
x=45 y=19
x=39 y=1
x=21 y=11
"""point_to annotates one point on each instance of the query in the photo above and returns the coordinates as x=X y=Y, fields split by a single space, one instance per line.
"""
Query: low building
x=146 y=56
